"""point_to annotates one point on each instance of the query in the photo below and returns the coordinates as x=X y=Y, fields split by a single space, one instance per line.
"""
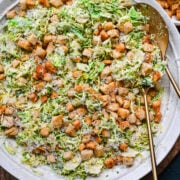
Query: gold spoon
x=159 y=29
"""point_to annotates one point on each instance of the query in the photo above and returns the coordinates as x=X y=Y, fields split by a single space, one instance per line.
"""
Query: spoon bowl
x=157 y=26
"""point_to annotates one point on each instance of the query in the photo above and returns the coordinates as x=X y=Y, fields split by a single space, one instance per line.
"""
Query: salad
x=66 y=75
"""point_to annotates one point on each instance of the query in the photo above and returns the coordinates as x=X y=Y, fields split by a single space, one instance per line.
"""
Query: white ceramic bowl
x=164 y=140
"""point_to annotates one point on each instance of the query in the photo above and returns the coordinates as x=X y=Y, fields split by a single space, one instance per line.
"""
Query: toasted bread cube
x=116 y=54
x=148 y=47
x=124 y=125
x=140 y=113
x=11 y=14
x=7 y=121
x=123 y=113
x=86 y=154
x=54 y=18
x=91 y=145
x=120 y=47
x=104 y=35
x=48 y=38
x=146 y=68
x=30 y=4
x=32 y=39
x=50 y=68
x=2 y=76
x=87 y=52
x=128 y=161
x=15 y=63
x=61 y=39
x=45 y=131
x=132 y=118
x=86 y=138
x=47 y=77
x=68 y=2
x=51 y=158
x=70 y=130
x=128 y=27
x=56 y=3
x=22 y=4
x=50 y=48
x=174 y=7
x=24 y=44
x=108 y=26
x=106 y=133
x=39 y=51
x=69 y=107
x=156 y=76
x=113 y=107
x=68 y=155
x=99 y=151
x=77 y=124
x=13 y=131
x=45 y=3
x=57 y=121
x=113 y=33
x=33 y=97
x=109 y=163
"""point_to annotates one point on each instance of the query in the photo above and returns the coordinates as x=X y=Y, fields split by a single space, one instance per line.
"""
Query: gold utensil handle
x=173 y=81
x=151 y=143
